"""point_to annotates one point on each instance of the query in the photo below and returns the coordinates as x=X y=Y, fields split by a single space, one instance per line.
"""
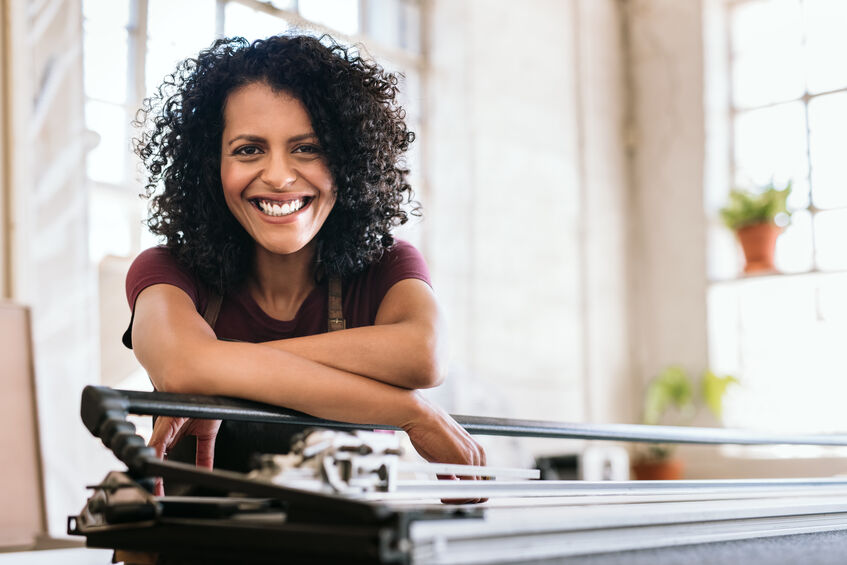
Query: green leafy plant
x=746 y=207
x=673 y=398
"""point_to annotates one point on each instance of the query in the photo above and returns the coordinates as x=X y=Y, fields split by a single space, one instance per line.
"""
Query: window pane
x=789 y=348
x=764 y=24
x=170 y=40
x=284 y=4
x=724 y=259
x=794 y=245
x=105 y=64
x=767 y=77
x=106 y=14
x=170 y=20
x=724 y=329
x=112 y=218
x=339 y=15
x=411 y=96
x=831 y=240
x=826 y=44
x=828 y=138
x=832 y=299
x=250 y=24
x=410 y=30
x=384 y=21
x=107 y=161
x=770 y=144
x=767 y=59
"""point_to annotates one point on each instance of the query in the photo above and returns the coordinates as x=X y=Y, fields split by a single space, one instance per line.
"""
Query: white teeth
x=275 y=209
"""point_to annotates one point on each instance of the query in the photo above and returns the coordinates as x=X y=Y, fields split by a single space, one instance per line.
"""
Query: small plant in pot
x=757 y=217
x=672 y=398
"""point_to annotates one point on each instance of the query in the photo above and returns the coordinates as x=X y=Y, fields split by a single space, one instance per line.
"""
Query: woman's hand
x=439 y=439
x=167 y=432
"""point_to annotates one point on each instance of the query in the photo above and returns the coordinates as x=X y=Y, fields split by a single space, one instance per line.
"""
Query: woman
x=277 y=173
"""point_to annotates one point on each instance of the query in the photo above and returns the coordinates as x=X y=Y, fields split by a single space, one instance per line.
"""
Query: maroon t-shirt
x=241 y=319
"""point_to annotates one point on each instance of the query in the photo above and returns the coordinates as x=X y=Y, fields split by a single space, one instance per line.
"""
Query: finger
x=205 y=452
x=453 y=500
x=159 y=487
x=480 y=457
x=463 y=500
x=163 y=431
x=178 y=429
x=159 y=448
x=157 y=439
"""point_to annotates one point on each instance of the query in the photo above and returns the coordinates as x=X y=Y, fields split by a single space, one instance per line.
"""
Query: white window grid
x=808 y=215
x=780 y=333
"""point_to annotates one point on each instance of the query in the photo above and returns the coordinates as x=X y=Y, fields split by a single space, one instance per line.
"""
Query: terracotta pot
x=662 y=470
x=759 y=242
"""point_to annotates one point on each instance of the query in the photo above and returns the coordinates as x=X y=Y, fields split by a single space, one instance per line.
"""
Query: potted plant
x=754 y=216
x=672 y=398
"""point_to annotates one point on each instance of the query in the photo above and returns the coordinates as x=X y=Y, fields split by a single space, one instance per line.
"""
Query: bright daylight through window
x=783 y=334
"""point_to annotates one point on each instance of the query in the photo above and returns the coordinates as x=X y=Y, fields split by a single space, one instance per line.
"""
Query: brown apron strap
x=336 y=315
x=213 y=308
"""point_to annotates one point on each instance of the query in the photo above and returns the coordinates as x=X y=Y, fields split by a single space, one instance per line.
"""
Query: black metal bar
x=199 y=406
x=224 y=408
x=640 y=433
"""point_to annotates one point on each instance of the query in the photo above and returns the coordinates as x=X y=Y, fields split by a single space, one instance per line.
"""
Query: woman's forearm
x=266 y=374
x=182 y=354
x=401 y=354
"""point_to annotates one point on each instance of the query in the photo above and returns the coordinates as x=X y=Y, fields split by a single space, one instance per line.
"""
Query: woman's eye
x=307 y=149
x=247 y=150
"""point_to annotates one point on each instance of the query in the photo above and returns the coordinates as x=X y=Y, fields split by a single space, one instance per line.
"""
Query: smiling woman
x=280 y=166
x=274 y=175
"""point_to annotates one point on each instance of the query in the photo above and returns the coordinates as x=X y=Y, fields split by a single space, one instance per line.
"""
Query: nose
x=279 y=174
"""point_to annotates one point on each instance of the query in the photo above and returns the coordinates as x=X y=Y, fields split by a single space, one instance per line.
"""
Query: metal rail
x=98 y=399
x=656 y=490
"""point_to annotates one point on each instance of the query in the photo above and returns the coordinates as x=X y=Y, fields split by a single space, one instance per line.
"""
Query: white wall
x=669 y=299
x=49 y=237
x=527 y=205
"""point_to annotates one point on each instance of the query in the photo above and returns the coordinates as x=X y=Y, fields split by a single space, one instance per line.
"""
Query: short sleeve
x=157 y=266
x=401 y=261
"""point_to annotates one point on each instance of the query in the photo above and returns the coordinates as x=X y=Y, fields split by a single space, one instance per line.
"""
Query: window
x=784 y=334
x=131 y=45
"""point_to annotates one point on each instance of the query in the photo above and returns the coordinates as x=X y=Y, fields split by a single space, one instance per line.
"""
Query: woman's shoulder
x=402 y=258
x=401 y=251
x=158 y=262
x=157 y=265
x=159 y=256
x=400 y=261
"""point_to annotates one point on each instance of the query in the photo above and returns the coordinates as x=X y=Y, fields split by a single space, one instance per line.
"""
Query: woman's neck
x=280 y=283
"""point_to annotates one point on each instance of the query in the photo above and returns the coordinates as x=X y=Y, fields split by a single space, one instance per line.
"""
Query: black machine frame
x=254 y=521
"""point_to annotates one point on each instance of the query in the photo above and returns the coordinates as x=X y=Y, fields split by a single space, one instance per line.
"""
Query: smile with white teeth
x=274 y=208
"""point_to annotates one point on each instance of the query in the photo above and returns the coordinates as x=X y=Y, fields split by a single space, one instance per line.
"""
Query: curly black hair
x=352 y=105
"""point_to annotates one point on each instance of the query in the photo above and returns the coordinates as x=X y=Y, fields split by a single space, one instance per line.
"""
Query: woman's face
x=274 y=173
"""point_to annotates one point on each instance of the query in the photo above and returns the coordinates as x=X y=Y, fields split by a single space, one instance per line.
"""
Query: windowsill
x=769 y=276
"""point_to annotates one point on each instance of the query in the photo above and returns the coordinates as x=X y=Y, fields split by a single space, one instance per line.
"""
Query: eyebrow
x=256 y=138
